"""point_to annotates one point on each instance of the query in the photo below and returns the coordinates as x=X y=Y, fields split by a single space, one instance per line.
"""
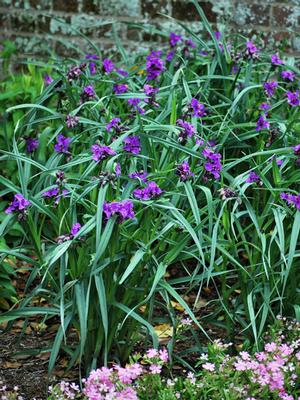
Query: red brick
x=281 y=16
x=186 y=11
x=152 y=8
x=23 y=23
x=65 y=5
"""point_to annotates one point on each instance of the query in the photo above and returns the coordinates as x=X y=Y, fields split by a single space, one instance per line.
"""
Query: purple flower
x=118 y=169
x=56 y=192
x=291 y=199
x=218 y=35
x=132 y=144
x=276 y=60
x=92 y=57
x=31 y=144
x=262 y=123
x=197 y=108
x=253 y=178
x=75 y=72
x=75 y=228
x=88 y=93
x=270 y=87
x=120 y=88
x=154 y=65
x=123 y=209
x=184 y=171
x=71 y=121
x=190 y=43
x=18 y=204
x=134 y=103
x=297 y=150
x=188 y=130
x=151 y=191
x=51 y=193
x=113 y=124
x=62 y=144
x=48 y=80
x=150 y=90
x=251 y=50
x=170 y=55
x=293 y=98
x=122 y=72
x=101 y=152
x=142 y=175
x=108 y=65
x=278 y=161
x=203 y=53
x=288 y=75
x=213 y=164
x=264 y=106
x=174 y=39
x=92 y=65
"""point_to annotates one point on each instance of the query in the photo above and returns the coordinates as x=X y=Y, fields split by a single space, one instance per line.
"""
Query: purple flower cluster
x=142 y=175
x=184 y=171
x=154 y=65
x=75 y=72
x=149 y=192
x=88 y=93
x=132 y=144
x=213 y=164
x=270 y=88
x=120 y=88
x=134 y=103
x=74 y=230
x=293 y=98
x=92 y=64
x=262 y=123
x=150 y=91
x=123 y=209
x=197 y=108
x=31 y=144
x=114 y=123
x=288 y=75
x=174 y=39
x=251 y=50
x=56 y=192
x=101 y=152
x=71 y=121
x=108 y=65
x=275 y=60
x=188 y=130
x=48 y=80
x=291 y=199
x=253 y=178
x=19 y=204
x=62 y=145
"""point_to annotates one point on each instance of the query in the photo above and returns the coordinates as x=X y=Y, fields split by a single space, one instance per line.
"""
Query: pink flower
x=151 y=353
x=163 y=355
x=155 y=369
x=270 y=347
x=208 y=366
x=240 y=365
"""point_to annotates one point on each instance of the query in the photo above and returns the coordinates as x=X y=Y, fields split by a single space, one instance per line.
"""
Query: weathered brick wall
x=36 y=27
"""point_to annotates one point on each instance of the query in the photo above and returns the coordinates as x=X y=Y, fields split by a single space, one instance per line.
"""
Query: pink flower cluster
x=117 y=383
x=269 y=368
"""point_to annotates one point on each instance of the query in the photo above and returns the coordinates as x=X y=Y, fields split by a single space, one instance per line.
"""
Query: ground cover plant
x=268 y=374
x=187 y=156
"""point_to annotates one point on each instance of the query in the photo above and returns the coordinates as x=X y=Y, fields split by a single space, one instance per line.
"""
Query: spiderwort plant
x=166 y=161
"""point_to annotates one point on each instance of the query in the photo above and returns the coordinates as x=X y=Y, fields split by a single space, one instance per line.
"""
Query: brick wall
x=40 y=26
